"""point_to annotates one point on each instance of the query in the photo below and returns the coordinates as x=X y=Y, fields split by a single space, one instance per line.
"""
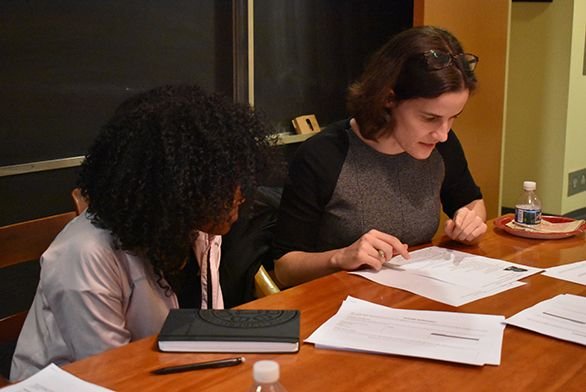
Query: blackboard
x=307 y=52
x=66 y=64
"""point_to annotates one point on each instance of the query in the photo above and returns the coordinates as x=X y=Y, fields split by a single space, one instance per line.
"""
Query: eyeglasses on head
x=438 y=59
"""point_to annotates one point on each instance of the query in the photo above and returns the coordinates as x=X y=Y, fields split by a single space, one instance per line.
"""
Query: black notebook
x=230 y=330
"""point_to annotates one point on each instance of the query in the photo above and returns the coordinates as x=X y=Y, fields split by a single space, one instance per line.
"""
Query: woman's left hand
x=468 y=224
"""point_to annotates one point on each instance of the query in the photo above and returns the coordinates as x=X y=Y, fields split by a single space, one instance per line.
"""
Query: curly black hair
x=168 y=163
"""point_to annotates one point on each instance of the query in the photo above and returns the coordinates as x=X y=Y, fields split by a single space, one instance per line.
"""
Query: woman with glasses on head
x=366 y=188
x=164 y=180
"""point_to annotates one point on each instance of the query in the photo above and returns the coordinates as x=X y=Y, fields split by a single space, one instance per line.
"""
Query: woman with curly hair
x=164 y=180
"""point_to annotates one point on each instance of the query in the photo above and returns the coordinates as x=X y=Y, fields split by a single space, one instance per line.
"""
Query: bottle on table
x=266 y=377
x=528 y=207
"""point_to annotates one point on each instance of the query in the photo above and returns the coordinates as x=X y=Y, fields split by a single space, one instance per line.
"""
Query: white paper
x=574 y=272
x=53 y=379
x=449 y=276
x=562 y=317
x=457 y=337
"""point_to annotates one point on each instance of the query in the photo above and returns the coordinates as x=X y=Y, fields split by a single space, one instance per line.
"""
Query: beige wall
x=575 y=157
x=482 y=27
x=546 y=110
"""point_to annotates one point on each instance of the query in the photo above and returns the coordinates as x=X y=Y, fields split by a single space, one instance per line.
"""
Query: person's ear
x=390 y=100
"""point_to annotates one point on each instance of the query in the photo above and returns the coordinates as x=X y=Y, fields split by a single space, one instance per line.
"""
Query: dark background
x=65 y=65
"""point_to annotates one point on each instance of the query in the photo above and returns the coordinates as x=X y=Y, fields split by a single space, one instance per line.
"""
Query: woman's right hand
x=372 y=249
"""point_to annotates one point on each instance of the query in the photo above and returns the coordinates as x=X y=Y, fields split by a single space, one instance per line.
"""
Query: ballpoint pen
x=200 y=365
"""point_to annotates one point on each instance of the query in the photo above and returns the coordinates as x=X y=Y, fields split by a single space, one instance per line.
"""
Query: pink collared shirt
x=208 y=247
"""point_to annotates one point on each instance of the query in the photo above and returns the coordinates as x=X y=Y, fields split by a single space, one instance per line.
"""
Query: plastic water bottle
x=528 y=207
x=266 y=377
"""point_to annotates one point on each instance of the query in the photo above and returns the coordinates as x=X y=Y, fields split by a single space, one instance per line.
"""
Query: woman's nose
x=441 y=134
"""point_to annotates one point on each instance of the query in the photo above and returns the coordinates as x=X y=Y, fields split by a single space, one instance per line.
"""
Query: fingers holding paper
x=372 y=249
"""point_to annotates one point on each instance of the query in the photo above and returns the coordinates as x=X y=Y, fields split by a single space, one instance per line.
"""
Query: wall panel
x=482 y=27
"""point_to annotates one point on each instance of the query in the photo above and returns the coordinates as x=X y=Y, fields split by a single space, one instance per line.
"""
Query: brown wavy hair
x=398 y=72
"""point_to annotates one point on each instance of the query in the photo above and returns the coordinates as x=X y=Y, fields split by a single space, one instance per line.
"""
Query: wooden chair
x=20 y=243
x=78 y=200
x=264 y=284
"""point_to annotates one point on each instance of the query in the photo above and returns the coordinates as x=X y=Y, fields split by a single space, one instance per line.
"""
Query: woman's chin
x=423 y=151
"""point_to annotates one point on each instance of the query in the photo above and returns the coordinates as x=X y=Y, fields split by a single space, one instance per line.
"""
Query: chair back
x=21 y=246
x=264 y=284
x=247 y=248
x=79 y=201
x=28 y=240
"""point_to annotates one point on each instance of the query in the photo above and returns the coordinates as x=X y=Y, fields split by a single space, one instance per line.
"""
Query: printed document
x=574 y=272
x=562 y=317
x=450 y=276
x=53 y=379
x=359 y=325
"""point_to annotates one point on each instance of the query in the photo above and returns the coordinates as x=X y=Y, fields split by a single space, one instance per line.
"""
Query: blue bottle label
x=527 y=217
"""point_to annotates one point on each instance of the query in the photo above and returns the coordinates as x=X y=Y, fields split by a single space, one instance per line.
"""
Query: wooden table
x=530 y=361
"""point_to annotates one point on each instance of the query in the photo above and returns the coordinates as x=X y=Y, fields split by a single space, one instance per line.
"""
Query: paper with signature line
x=562 y=317
x=573 y=272
x=359 y=325
x=450 y=276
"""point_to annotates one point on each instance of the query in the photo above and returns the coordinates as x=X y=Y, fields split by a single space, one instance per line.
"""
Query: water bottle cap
x=265 y=371
x=529 y=185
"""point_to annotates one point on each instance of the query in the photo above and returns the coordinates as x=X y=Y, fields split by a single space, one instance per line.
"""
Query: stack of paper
x=53 y=379
x=562 y=317
x=359 y=325
x=449 y=276
x=574 y=272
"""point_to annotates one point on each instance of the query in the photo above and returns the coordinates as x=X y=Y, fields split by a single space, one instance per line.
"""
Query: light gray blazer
x=91 y=297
